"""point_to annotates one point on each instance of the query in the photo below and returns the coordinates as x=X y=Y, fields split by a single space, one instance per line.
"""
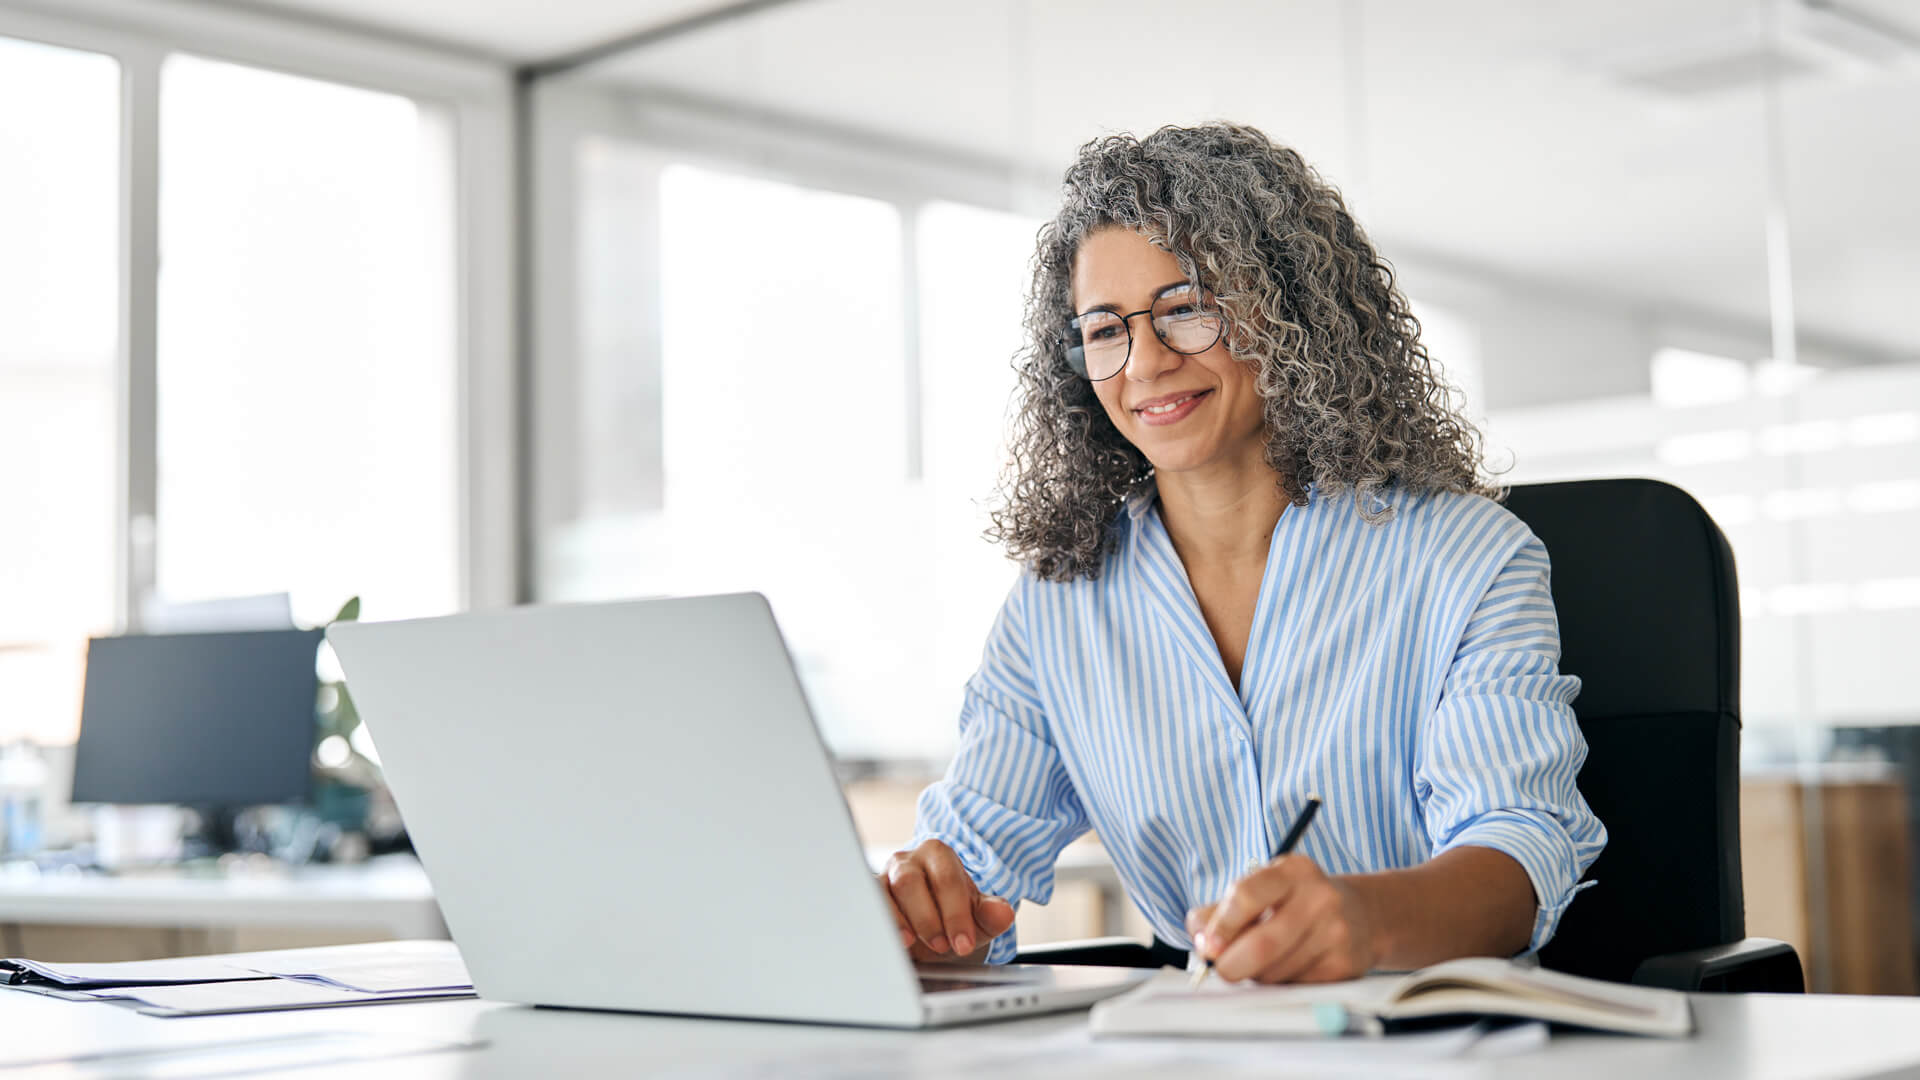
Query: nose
x=1151 y=358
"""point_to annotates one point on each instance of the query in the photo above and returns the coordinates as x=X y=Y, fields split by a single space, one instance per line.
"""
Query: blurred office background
x=447 y=305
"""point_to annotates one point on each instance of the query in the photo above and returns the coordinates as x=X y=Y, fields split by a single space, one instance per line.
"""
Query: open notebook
x=1477 y=987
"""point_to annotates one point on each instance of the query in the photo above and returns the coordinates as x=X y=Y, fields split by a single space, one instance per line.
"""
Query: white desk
x=389 y=894
x=1763 y=1037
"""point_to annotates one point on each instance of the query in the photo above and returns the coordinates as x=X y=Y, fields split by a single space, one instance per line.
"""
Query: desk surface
x=1757 y=1036
x=389 y=893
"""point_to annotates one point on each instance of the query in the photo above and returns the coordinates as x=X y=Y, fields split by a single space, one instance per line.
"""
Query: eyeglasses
x=1099 y=343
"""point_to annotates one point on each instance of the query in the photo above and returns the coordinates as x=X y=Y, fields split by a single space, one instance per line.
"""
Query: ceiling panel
x=518 y=30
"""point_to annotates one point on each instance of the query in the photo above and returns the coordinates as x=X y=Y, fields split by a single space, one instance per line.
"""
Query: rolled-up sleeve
x=1498 y=758
x=1006 y=805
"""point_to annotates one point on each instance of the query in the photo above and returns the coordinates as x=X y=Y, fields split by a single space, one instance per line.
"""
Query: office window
x=973 y=279
x=307 y=431
x=797 y=454
x=781 y=346
x=784 y=429
x=59 y=331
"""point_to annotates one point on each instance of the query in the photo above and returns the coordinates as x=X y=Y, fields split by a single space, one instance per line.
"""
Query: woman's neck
x=1221 y=516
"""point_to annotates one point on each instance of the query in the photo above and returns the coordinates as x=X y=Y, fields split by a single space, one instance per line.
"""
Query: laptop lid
x=627 y=806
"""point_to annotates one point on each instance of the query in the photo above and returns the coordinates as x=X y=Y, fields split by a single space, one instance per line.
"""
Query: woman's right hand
x=940 y=912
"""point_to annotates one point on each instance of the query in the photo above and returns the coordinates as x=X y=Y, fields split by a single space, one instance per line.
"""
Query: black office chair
x=1650 y=620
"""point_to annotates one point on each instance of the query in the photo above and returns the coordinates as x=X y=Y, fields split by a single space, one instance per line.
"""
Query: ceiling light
x=1807 y=599
x=1792 y=39
x=1887 y=593
x=1879 y=498
x=1884 y=429
x=1805 y=437
x=1705 y=447
x=1683 y=378
x=1800 y=503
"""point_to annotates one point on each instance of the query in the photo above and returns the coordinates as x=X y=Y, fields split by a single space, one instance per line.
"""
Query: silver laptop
x=627 y=806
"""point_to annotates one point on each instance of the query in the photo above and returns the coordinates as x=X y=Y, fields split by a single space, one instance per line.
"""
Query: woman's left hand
x=1288 y=922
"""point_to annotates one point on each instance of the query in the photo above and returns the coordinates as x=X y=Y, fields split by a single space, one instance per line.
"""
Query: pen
x=1286 y=847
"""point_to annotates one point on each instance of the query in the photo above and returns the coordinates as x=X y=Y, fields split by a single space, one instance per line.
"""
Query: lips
x=1160 y=406
x=1170 y=408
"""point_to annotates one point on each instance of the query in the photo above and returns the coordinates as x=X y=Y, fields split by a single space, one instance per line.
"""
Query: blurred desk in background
x=1088 y=900
x=1826 y=860
x=135 y=916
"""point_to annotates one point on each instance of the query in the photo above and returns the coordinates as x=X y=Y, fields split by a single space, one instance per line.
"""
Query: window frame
x=475 y=95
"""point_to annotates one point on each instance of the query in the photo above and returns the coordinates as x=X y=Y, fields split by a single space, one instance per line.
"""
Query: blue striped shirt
x=1405 y=672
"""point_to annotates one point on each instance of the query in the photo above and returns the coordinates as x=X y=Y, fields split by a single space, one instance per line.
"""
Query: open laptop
x=627 y=806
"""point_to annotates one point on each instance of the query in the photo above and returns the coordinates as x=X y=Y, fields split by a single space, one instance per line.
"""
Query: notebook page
x=1165 y=1005
x=1499 y=987
x=1505 y=977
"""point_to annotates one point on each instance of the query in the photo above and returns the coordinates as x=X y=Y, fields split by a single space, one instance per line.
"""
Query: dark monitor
x=213 y=720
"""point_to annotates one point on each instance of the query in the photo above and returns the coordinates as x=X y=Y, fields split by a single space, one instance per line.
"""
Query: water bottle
x=23 y=776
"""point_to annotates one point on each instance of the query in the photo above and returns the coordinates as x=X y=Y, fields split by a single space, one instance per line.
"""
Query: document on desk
x=369 y=974
x=255 y=995
x=173 y=972
x=379 y=968
x=375 y=966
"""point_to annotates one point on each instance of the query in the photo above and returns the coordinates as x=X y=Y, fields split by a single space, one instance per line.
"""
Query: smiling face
x=1183 y=412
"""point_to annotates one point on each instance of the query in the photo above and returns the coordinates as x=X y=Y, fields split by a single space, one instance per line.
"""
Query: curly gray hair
x=1352 y=400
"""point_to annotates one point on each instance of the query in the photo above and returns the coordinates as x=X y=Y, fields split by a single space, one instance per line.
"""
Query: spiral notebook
x=1472 y=987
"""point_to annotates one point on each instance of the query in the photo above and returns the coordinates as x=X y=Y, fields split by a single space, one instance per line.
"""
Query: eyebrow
x=1157 y=294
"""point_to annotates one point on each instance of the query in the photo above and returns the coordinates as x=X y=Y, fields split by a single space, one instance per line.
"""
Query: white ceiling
x=1489 y=140
x=516 y=30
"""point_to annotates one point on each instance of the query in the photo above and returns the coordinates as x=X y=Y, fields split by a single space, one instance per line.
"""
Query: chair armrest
x=1095 y=952
x=1751 y=965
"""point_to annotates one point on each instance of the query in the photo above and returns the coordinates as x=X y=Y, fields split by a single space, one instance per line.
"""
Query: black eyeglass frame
x=1076 y=347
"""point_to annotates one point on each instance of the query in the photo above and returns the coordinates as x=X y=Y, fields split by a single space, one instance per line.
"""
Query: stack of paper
x=189 y=969
x=386 y=968
x=260 y=981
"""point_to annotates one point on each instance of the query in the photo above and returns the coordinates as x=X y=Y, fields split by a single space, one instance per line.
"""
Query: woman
x=1261 y=562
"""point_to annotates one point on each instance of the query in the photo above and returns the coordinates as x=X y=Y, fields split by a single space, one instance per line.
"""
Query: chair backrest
x=1650 y=621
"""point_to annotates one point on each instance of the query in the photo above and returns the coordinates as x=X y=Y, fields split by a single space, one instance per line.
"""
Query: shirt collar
x=1140 y=500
